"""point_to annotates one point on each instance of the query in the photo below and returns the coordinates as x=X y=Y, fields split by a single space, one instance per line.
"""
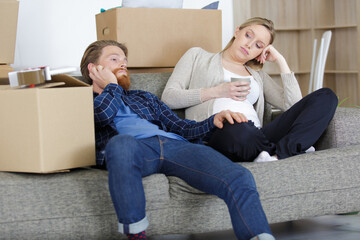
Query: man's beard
x=123 y=80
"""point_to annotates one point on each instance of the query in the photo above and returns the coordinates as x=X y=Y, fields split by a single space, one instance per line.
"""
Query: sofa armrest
x=343 y=130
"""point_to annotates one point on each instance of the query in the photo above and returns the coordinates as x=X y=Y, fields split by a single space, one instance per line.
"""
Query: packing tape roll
x=29 y=77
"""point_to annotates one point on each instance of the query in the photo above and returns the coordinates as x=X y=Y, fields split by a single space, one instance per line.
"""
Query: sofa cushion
x=297 y=187
x=342 y=131
x=74 y=201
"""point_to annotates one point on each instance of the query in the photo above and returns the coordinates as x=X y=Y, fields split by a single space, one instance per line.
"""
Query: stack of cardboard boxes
x=42 y=129
x=8 y=26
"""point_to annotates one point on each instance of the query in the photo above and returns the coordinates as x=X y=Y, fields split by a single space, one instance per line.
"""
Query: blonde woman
x=201 y=83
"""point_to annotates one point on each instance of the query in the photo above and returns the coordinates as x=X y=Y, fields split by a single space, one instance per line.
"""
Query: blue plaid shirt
x=147 y=106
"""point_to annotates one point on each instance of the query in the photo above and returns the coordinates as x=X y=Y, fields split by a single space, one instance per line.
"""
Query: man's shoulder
x=141 y=93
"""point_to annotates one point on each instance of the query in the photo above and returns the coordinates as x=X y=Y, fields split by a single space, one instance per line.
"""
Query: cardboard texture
x=47 y=129
x=158 y=37
x=4 y=71
x=8 y=27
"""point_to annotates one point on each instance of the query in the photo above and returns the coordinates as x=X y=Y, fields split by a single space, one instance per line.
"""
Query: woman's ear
x=237 y=31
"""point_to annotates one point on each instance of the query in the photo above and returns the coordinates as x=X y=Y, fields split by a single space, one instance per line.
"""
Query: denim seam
x=226 y=184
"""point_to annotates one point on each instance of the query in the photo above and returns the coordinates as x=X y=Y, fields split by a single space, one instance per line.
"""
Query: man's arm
x=192 y=130
x=107 y=104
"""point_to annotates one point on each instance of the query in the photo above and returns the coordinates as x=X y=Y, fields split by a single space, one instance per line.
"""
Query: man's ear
x=90 y=66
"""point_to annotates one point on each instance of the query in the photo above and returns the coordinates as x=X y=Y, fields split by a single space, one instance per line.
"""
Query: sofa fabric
x=77 y=204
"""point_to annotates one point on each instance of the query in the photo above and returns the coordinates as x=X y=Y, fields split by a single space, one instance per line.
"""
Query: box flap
x=68 y=80
x=59 y=80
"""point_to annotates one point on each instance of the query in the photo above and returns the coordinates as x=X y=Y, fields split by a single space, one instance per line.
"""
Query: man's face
x=114 y=59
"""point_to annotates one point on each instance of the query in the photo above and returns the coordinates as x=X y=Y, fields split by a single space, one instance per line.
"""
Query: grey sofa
x=77 y=204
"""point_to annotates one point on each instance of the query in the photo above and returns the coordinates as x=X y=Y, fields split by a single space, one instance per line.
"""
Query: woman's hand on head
x=229 y=116
x=235 y=90
x=101 y=76
x=270 y=54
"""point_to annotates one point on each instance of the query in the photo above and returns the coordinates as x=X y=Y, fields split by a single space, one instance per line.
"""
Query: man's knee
x=242 y=180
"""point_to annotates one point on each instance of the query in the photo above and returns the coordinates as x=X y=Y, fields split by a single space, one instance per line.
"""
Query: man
x=138 y=135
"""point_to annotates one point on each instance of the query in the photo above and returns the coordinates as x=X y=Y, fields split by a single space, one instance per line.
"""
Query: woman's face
x=250 y=42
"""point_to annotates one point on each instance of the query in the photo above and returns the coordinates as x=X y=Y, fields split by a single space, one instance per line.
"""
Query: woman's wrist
x=207 y=94
x=284 y=67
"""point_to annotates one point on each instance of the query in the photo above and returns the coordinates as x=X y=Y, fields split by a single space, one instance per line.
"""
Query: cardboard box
x=4 y=71
x=8 y=28
x=158 y=37
x=47 y=129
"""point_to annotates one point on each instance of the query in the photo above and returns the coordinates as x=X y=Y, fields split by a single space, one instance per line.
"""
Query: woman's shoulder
x=198 y=51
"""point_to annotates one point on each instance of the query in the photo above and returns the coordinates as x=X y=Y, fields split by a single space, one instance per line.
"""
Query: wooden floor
x=339 y=227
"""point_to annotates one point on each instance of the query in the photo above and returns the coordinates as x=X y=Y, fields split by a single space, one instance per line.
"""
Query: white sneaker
x=310 y=149
x=265 y=157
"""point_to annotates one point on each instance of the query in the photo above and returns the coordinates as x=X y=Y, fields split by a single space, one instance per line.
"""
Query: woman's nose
x=248 y=44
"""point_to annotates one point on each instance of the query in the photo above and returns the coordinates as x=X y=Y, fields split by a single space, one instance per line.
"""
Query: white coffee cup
x=244 y=79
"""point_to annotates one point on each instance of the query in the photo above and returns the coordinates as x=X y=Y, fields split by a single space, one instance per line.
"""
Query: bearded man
x=138 y=135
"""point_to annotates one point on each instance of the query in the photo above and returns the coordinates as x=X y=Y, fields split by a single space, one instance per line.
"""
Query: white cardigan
x=199 y=69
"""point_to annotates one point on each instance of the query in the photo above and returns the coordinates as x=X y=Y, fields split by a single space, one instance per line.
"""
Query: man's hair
x=93 y=53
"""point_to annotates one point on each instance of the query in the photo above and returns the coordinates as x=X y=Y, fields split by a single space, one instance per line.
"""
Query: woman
x=201 y=83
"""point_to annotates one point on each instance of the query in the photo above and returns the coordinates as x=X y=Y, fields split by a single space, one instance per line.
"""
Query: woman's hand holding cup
x=242 y=86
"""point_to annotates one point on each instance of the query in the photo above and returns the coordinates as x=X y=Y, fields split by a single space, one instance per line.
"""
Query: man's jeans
x=129 y=159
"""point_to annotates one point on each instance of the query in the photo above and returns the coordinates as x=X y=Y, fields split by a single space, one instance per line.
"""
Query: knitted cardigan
x=198 y=69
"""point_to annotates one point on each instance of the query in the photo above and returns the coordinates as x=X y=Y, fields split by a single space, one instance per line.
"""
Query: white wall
x=56 y=32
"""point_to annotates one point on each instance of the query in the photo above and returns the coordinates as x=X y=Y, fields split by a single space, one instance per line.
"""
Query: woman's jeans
x=292 y=133
x=129 y=159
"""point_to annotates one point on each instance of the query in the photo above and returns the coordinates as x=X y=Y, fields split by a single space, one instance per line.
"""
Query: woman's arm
x=270 y=54
x=177 y=93
x=282 y=94
x=234 y=90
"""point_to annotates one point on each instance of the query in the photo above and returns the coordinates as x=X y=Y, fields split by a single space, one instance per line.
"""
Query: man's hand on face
x=101 y=76
x=229 y=116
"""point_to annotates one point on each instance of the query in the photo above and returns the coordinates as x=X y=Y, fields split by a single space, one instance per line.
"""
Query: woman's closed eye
x=259 y=45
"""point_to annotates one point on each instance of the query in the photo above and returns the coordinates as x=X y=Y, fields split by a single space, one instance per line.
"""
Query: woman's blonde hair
x=255 y=21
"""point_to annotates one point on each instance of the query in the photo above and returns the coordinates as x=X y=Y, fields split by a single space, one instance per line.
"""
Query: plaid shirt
x=147 y=106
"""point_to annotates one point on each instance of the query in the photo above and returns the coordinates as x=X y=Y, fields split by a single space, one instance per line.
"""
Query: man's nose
x=123 y=65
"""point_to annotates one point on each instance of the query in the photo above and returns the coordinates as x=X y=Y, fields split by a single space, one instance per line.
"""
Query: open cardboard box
x=47 y=129
x=158 y=37
x=4 y=71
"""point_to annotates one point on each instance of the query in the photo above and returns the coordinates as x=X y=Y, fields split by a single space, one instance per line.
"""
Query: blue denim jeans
x=129 y=159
